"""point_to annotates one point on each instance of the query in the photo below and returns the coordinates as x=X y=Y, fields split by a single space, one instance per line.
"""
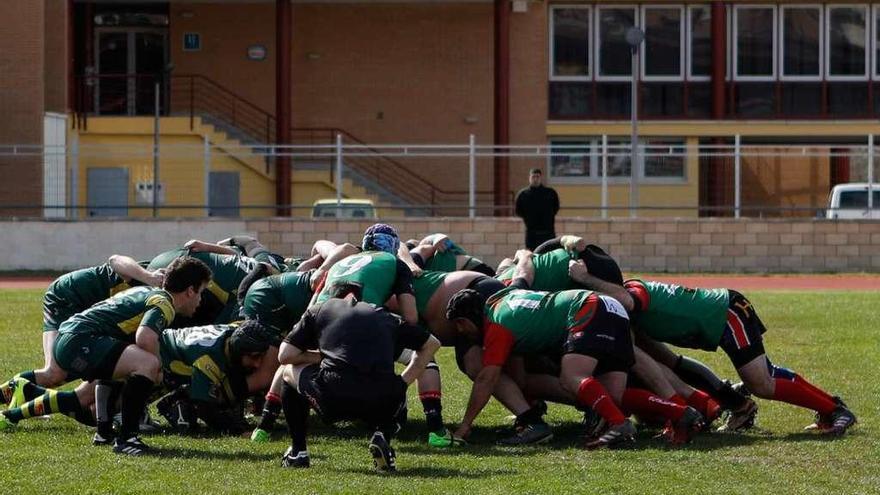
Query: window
x=579 y=160
x=699 y=43
x=876 y=25
x=614 y=54
x=801 y=39
x=846 y=39
x=754 y=48
x=664 y=43
x=570 y=45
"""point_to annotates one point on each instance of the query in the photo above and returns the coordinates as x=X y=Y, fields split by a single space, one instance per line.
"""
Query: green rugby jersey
x=85 y=287
x=528 y=322
x=227 y=271
x=425 y=286
x=375 y=271
x=551 y=271
x=120 y=316
x=279 y=301
x=201 y=356
x=681 y=316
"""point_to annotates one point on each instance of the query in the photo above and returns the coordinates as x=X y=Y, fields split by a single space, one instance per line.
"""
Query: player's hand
x=573 y=243
x=416 y=271
x=441 y=244
x=157 y=278
x=194 y=245
x=577 y=269
x=522 y=253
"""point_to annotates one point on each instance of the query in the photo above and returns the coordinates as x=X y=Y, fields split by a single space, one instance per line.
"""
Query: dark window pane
x=755 y=99
x=612 y=99
x=848 y=99
x=570 y=99
x=754 y=42
x=802 y=99
x=662 y=99
x=876 y=98
x=858 y=199
x=877 y=45
x=846 y=49
x=663 y=42
x=801 y=43
x=614 y=52
x=575 y=163
x=664 y=158
x=701 y=41
x=699 y=100
x=571 y=42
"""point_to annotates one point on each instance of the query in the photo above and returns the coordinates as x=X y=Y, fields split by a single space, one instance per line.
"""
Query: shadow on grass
x=431 y=472
x=238 y=455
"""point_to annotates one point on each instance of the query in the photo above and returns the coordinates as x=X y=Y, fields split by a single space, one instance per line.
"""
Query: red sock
x=795 y=392
x=642 y=402
x=816 y=390
x=699 y=400
x=592 y=394
x=678 y=400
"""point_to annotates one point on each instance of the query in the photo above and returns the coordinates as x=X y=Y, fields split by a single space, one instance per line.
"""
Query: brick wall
x=21 y=100
x=724 y=246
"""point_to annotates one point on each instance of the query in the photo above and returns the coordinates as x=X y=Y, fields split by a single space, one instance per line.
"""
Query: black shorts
x=742 y=338
x=606 y=337
x=57 y=309
x=486 y=286
x=476 y=265
x=339 y=394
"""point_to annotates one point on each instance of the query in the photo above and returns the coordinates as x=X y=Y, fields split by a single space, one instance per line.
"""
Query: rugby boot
x=841 y=420
x=824 y=423
x=5 y=423
x=384 y=458
x=442 y=438
x=259 y=435
x=742 y=419
x=132 y=446
x=18 y=397
x=594 y=425
x=614 y=436
x=683 y=430
x=293 y=459
x=530 y=434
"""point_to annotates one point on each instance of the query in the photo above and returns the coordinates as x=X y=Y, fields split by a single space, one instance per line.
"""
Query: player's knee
x=51 y=376
x=148 y=366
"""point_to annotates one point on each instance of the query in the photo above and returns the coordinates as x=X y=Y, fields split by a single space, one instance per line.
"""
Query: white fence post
x=472 y=177
x=604 y=176
x=338 y=175
x=870 y=175
x=206 y=160
x=74 y=176
x=737 y=176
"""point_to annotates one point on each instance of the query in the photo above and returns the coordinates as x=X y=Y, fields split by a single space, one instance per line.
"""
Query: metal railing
x=589 y=171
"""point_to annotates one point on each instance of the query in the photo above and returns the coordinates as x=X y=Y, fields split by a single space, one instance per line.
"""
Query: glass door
x=111 y=87
x=129 y=63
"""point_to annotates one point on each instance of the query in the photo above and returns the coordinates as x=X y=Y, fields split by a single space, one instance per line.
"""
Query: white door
x=54 y=165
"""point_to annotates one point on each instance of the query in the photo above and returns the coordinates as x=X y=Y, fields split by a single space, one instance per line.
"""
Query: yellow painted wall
x=684 y=194
x=128 y=142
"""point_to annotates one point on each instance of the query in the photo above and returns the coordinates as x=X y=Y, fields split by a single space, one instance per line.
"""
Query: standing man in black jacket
x=537 y=205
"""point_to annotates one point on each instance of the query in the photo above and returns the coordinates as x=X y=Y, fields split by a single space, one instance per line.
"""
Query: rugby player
x=341 y=356
x=381 y=274
x=710 y=318
x=198 y=366
x=437 y=252
x=118 y=339
x=69 y=294
x=433 y=290
x=219 y=304
x=589 y=329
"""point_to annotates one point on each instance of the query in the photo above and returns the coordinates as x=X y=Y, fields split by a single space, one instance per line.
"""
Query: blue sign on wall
x=192 y=42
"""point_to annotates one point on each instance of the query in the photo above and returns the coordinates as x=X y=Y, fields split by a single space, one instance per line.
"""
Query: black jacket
x=537 y=206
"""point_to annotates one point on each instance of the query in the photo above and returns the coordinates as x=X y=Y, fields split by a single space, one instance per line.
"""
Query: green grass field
x=831 y=339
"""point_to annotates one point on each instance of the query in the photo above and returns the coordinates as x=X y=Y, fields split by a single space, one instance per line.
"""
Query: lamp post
x=634 y=38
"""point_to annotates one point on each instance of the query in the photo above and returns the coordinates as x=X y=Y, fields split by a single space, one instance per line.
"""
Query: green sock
x=51 y=402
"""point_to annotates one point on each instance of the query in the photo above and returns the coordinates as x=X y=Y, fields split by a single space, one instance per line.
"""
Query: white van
x=348 y=208
x=851 y=201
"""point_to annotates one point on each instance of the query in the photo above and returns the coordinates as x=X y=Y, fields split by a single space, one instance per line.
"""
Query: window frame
x=589 y=76
x=689 y=75
x=598 y=45
x=682 y=57
x=875 y=63
x=774 y=76
x=868 y=43
x=822 y=48
x=595 y=164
